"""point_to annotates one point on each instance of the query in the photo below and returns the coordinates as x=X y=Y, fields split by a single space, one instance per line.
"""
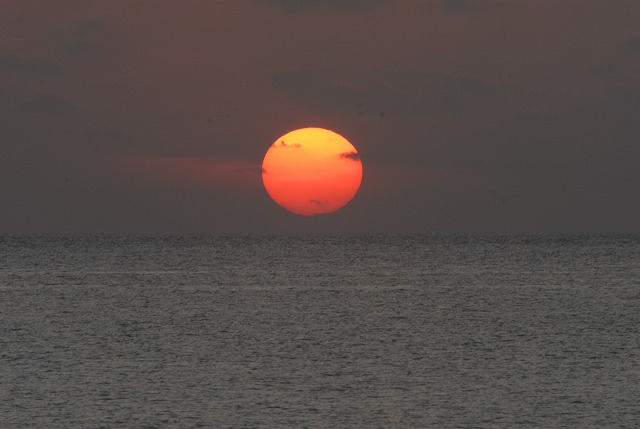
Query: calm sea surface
x=319 y=331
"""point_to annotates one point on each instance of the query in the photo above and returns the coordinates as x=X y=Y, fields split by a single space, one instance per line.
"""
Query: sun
x=312 y=171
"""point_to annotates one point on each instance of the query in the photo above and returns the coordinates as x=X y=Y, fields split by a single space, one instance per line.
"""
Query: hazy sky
x=469 y=116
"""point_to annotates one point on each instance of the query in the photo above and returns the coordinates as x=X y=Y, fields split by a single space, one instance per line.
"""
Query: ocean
x=320 y=331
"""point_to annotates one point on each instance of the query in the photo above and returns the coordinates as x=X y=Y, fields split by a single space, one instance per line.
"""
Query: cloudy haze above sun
x=163 y=116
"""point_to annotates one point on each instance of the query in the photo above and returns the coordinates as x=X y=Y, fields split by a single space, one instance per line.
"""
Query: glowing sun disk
x=312 y=171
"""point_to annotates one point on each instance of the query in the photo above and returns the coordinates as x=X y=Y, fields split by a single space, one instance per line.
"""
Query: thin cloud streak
x=17 y=64
x=302 y=6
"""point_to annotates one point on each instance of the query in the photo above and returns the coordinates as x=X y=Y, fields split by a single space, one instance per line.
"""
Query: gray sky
x=469 y=116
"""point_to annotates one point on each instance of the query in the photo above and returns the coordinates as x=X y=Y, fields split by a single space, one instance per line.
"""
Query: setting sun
x=312 y=171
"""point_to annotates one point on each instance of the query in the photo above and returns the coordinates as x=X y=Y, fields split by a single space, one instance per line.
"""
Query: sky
x=469 y=116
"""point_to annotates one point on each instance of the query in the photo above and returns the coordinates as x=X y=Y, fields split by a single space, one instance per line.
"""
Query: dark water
x=320 y=331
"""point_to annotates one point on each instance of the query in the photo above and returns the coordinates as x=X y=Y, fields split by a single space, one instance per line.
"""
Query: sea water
x=363 y=331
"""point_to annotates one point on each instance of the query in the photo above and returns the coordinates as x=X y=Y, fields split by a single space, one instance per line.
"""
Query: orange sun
x=312 y=171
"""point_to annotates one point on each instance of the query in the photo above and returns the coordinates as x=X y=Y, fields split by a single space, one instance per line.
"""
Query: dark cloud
x=295 y=6
x=102 y=137
x=499 y=197
x=47 y=104
x=80 y=48
x=459 y=7
x=350 y=155
x=319 y=202
x=526 y=143
x=393 y=92
x=605 y=70
x=581 y=165
x=632 y=46
x=290 y=145
x=625 y=99
x=86 y=38
x=16 y=64
x=622 y=109
x=89 y=28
